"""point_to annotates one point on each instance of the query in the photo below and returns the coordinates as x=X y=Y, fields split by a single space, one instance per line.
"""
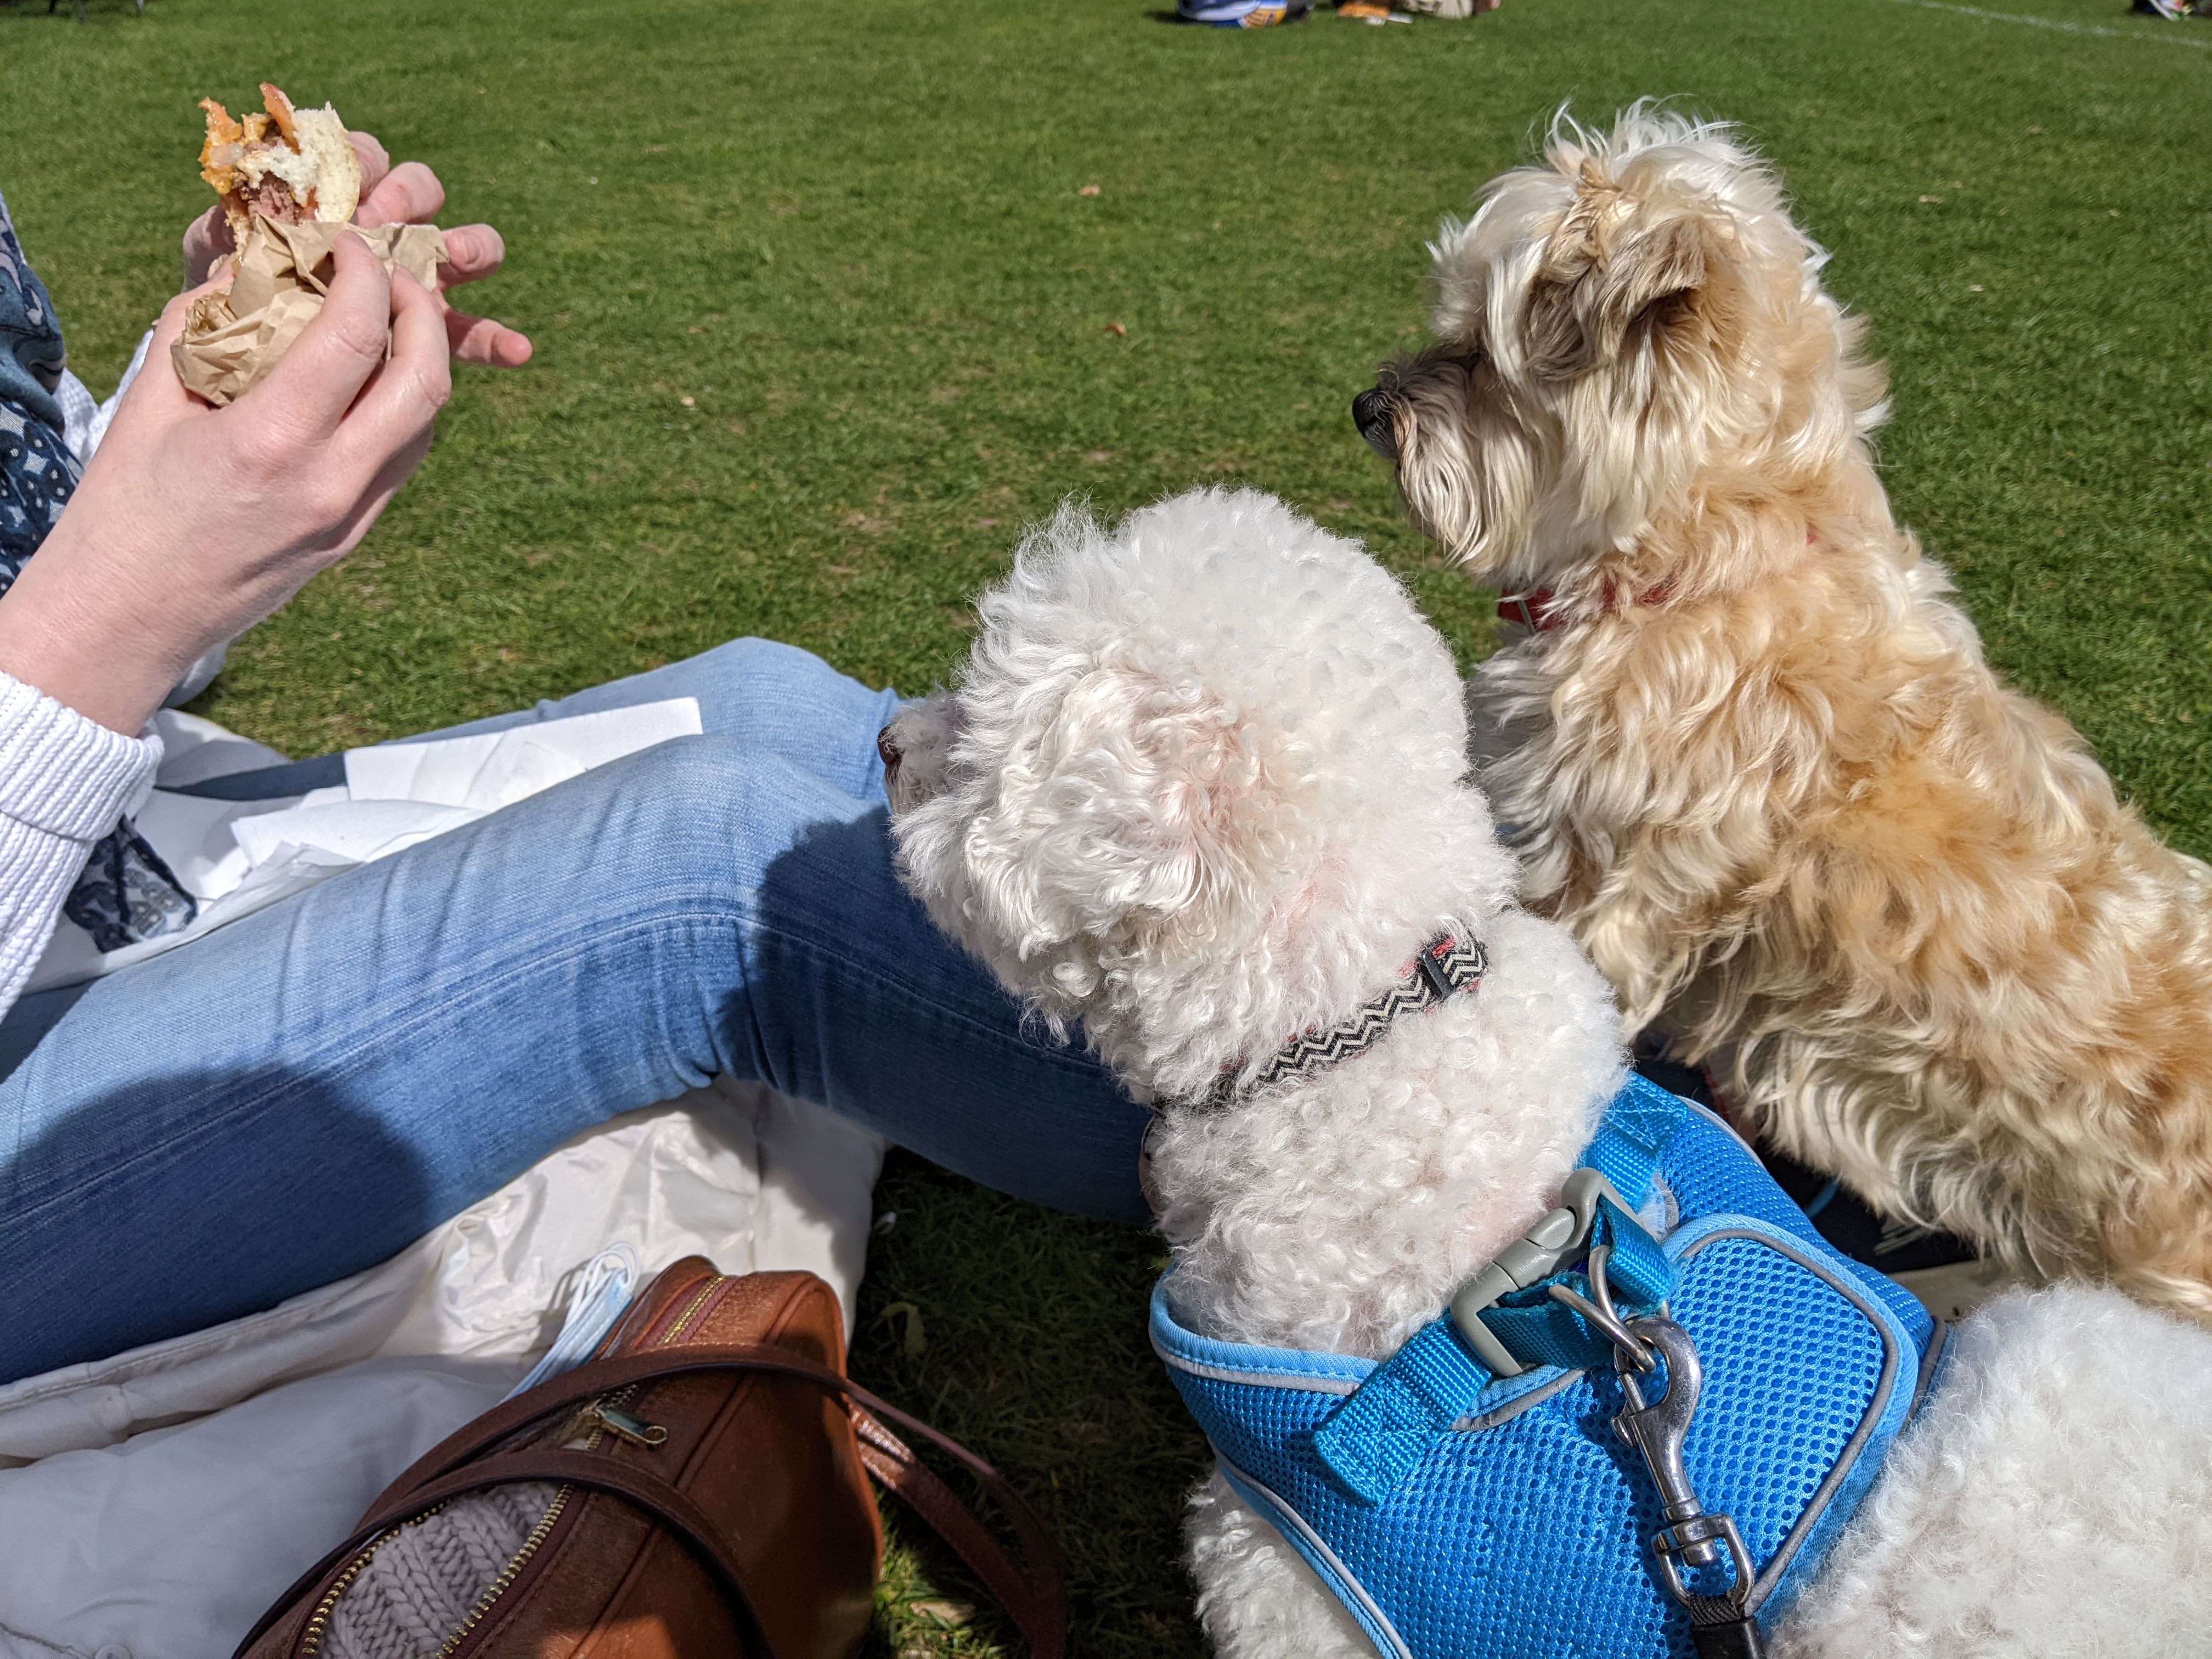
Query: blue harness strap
x=1639 y=1126
x=1378 y=1436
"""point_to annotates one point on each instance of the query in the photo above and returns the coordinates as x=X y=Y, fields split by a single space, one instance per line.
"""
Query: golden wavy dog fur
x=1755 y=760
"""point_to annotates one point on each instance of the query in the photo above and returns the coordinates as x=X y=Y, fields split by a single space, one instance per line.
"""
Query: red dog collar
x=1533 y=610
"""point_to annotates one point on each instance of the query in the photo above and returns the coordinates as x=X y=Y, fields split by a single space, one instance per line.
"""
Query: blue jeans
x=299 y=1095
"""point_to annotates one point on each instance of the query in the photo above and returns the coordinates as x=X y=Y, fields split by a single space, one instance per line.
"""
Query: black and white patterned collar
x=1440 y=969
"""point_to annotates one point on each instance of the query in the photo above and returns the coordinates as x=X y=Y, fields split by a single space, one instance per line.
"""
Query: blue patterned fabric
x=37 y=471
x=38 y=474
x=1522 y=1529
x=127 y=893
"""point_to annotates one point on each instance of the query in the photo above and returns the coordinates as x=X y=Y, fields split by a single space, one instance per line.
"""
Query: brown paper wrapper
x=231 y=341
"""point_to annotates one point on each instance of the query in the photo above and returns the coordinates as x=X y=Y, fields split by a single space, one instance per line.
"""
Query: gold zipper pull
x=636 y=1429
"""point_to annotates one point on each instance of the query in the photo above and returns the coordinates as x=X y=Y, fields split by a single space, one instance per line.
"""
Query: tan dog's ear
x=1614 y=271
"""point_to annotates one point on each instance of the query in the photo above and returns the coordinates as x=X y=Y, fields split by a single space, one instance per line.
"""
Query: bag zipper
x=706 y=1293
x=596 y=1413
x=510 y=1572
x=606 y=1416
x=636 y=1429
x=311 y=1639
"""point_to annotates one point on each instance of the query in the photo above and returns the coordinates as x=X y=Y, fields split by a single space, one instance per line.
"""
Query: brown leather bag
x=704 y=1483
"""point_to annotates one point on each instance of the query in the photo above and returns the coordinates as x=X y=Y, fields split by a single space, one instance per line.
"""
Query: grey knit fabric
x=426 y=1579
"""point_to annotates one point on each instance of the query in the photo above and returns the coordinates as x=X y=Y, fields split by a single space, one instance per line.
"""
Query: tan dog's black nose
x=1370 y=413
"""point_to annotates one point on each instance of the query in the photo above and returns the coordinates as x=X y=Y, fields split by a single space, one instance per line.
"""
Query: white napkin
x=237 y=857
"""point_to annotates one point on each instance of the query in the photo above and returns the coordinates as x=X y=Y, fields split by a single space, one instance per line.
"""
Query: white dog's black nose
x=1370 y=413
x=887 y=747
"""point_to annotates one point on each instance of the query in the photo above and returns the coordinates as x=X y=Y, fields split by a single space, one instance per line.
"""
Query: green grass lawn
x=822 y=318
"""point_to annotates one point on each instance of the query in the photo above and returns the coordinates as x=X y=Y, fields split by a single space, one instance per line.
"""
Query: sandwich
x=280 y=163
x=288 y=181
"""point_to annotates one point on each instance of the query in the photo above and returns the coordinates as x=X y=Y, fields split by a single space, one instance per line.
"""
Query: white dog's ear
x=1151 y=790
x=1616 y=270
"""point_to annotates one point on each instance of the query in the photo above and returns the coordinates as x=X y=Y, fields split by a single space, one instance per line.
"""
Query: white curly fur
x=1256 y=1595
x=2053 y=1499
x=1201 y=789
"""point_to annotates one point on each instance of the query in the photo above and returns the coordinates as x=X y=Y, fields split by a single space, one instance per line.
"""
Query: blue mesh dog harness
x=1510 y=1483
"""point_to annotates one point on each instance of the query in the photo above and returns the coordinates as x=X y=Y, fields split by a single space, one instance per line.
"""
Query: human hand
x=408 y=194
x=194 y=523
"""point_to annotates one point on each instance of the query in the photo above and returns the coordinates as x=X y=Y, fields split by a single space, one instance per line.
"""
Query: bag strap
x=1037 y=1602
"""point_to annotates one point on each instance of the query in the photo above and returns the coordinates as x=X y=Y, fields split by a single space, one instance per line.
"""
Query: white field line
x=2064 y=27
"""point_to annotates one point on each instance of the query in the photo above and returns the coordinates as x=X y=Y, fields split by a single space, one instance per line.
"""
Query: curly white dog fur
x=1201 y=789
x=1755 y=762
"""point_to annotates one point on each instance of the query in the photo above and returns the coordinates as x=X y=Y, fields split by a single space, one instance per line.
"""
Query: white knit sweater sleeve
x=64 y=781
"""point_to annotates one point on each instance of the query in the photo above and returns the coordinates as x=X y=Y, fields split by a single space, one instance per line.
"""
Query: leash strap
x=1383 y=1430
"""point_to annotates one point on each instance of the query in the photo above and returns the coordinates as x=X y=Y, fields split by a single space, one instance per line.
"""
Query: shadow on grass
x=71 y=11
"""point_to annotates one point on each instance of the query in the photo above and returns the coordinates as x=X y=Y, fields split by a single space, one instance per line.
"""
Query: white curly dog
x=1202 y=787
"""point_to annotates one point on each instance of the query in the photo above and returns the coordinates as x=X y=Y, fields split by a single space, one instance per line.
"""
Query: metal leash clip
x=1721 y=1626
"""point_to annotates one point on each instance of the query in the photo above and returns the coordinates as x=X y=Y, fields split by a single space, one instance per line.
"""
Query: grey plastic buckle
x=1559 y=1238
